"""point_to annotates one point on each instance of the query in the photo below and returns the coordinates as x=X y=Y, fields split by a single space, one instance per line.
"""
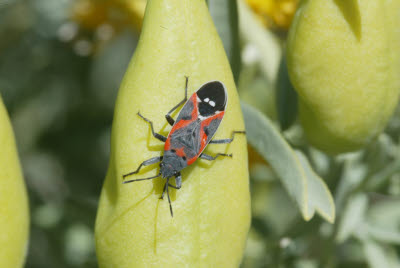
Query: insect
x=193 y=129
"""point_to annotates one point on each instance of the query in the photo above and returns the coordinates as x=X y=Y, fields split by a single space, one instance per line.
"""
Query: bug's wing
x=199 y=119
x=189 y=111
x=208 y=128
x=187 y=138
x=209 y=100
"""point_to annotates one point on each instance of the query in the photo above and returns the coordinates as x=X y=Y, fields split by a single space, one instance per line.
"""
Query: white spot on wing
x=198 y=99
x=206 y=99
x=212 y=103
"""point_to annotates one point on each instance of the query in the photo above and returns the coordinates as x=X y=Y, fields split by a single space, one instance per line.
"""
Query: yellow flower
x=274 y=13
x=91 y=14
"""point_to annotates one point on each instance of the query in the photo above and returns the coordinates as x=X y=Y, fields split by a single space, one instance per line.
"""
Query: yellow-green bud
x=14 y=214
x=211 y=219
x=344 y=61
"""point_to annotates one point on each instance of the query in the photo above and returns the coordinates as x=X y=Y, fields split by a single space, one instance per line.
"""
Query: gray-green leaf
x=353 y=216
x=379 y=256
x=383 y=221
x=303 y=184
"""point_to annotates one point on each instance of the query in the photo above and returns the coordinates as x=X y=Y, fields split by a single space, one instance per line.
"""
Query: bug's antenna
x=150 y=178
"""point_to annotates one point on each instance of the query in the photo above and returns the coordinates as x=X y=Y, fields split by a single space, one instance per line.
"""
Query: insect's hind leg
x=211 y=158
x=156 y=135
x=225 y=141
x=170 y=120
x=147 y=162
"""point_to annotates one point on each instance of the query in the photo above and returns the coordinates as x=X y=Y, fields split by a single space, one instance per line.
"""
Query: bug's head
x=171 y=164
x=168 y=170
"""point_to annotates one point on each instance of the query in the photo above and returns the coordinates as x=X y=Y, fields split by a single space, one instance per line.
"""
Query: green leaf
x=317 y=193
x=286 y=97
x=225 y=17
x=383 y=221
x=292 y=167
x=353 y=174
x=383 y=175
x=353 y=216
x=389 y=236
x=380 y=256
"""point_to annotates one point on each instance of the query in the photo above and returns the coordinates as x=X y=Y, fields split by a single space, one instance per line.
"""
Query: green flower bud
x=211 y=219
x=14 y=214
x=344 y=61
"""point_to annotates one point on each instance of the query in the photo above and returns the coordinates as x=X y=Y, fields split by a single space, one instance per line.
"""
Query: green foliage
x=292 y=167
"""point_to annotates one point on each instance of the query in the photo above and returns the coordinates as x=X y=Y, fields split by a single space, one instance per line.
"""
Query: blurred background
x=61 y=63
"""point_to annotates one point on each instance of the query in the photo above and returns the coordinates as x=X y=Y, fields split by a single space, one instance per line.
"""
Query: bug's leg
x=211 y=158
x=170 y=120
x=169 y=199
x=156 y=135
x=147 y=162
x=164 y=190
x=178 y=182
x=227 y=140
x=150 y=178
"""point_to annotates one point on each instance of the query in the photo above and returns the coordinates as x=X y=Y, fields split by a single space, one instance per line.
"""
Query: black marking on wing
x=205 y=129
x=212 y=97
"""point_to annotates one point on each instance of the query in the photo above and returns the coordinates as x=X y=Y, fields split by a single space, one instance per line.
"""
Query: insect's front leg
x=170 y=120
x=147 y=162
x=225 y=141
x=149 y=178
x=156 y=135
x=178 y=183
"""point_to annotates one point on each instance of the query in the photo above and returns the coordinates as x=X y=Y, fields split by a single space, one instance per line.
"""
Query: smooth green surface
x=14 y=214
x=343 y=60
x=134 y=227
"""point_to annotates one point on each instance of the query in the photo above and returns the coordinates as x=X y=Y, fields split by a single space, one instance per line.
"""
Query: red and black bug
x=193 y=129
